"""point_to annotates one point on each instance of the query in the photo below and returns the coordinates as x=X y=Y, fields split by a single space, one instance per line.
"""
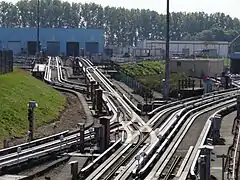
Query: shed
x=197 y=67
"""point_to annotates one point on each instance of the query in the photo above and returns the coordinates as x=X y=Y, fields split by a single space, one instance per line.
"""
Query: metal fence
x=6 y=61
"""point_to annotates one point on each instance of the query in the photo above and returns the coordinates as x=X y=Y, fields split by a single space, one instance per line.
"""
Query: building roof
x=188 y=42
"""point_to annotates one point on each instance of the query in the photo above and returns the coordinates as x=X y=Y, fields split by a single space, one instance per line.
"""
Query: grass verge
x=16 y=89
x=151 y=73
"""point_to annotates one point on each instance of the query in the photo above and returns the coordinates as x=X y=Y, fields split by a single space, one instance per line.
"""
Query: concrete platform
x=226 y=134
x=65 y=173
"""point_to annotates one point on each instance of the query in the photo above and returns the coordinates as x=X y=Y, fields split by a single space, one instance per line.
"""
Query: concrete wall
x=197 y=68
x=23 y=35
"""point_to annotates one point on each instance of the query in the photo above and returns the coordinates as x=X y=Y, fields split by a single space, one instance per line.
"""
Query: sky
x=230 y=7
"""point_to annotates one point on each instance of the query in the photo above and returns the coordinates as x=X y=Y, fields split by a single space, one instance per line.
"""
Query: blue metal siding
x=91 y=47
x=53 y=34
x=53 y=48
x=72 y=49
x=15 y=46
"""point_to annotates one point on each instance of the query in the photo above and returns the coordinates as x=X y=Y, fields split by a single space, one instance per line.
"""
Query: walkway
x=226 y=133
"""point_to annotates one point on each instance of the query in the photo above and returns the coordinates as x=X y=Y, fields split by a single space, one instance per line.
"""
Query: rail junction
x=174 y=143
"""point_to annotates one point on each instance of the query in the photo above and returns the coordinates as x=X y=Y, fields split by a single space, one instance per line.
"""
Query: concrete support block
x=74 y=169
x=82 y=128
x=206 y=150
x=106 y=123
x=203 y=167
x=216 y=128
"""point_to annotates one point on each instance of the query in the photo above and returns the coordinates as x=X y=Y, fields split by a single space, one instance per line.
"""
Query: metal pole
x=38 y=19
x=167 y=66
x=223 y=170
x=223 y=156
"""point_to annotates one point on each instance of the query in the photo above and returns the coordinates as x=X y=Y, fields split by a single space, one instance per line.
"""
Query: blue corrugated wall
x=53 y=34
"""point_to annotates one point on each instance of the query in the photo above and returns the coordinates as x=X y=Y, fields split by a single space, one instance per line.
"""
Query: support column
x=100 y=134
x=95 y=87
x=203 y=167
x=216 y=128
x=74 y=169
x=105 y=121
x=99 y=93
x=87 y=88
x=223 y=156
x=82 y=128
x=31 y=123
x=92 y=89
x=207 y=152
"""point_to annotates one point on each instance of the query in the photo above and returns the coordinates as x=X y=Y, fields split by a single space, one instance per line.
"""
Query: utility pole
x=167 y=66
x=38 y=19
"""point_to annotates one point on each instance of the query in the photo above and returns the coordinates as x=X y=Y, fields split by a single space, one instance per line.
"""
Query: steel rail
x=190 y=99
x=99 y=171
x=189 y=167
x=164 y=131
x=178 y=106
x=168 y=153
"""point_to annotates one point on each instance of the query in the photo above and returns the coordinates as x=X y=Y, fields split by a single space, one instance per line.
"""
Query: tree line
x=122 y=26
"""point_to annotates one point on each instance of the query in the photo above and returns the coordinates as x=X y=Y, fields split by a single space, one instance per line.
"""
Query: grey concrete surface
x=226 y=134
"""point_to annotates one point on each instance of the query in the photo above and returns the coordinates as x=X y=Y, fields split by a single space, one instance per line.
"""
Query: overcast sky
x=230 y=7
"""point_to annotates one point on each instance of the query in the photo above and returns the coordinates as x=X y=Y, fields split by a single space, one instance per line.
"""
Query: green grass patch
x=151 y=73
x=16 y=89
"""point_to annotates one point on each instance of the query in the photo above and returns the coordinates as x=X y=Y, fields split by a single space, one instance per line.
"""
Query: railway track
x=152 y=150
x=135 y=128
x=49 y=146
x=185 y=138
x=167 y=133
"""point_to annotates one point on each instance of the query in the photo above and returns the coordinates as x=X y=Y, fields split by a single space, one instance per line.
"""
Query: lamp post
x=38 y=19
x=167 y=66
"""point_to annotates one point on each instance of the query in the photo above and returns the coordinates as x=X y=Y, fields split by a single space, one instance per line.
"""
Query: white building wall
x=177 y=46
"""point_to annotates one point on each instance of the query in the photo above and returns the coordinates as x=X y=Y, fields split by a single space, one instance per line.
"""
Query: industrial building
x=53 y=41
x=183 y=48
x=197 y=67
